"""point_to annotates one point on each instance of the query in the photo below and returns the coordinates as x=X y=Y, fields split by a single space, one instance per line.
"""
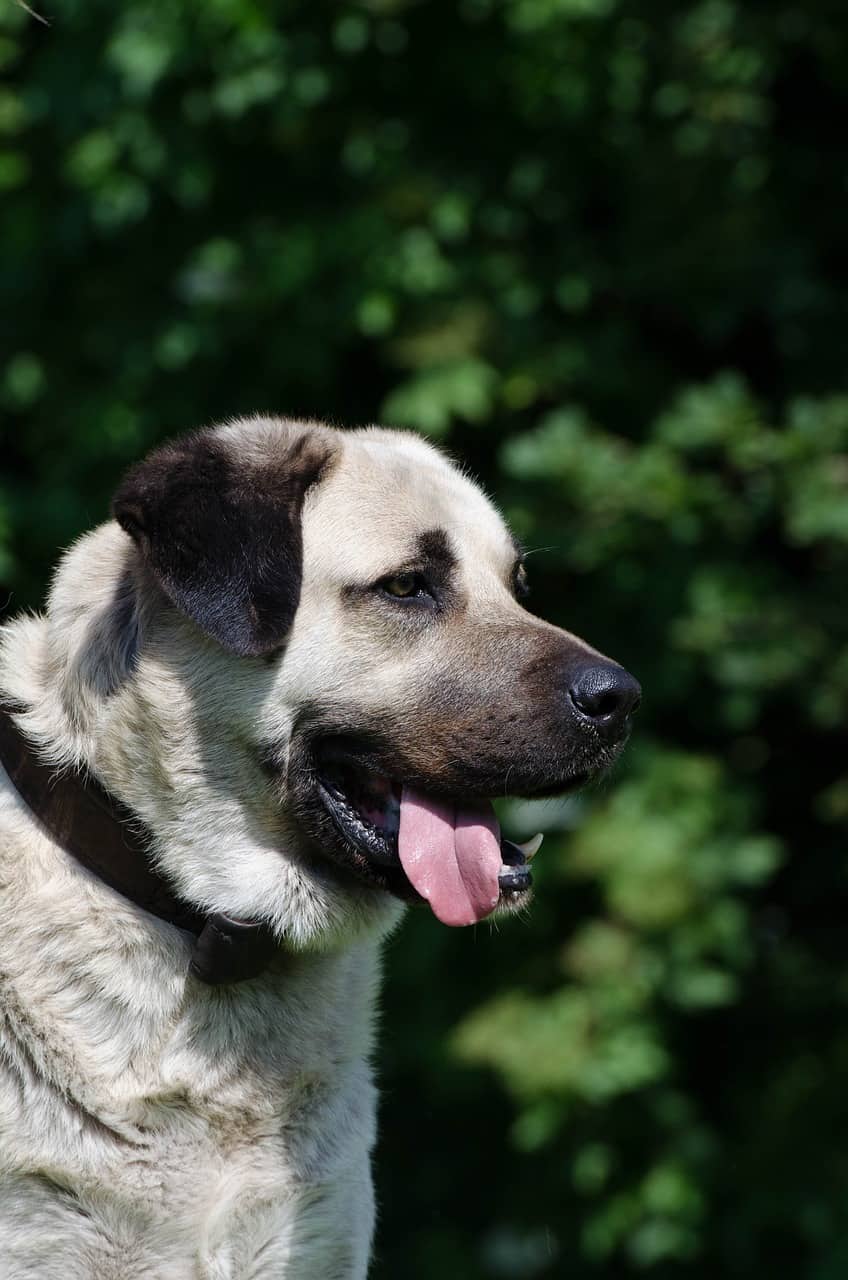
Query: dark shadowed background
x=599 y=248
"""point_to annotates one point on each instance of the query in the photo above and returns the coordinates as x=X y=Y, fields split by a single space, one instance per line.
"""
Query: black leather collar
x=112 y=842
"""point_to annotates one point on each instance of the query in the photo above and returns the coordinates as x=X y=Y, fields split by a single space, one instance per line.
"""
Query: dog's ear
x=217 y=519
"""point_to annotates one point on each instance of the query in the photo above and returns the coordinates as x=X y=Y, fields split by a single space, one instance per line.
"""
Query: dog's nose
x=607 y=695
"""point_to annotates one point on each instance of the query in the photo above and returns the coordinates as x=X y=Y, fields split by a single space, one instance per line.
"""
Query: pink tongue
x=451 y=856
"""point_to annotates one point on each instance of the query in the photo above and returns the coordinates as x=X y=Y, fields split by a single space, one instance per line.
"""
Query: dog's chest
x=206 y=1193
x=182 y=1136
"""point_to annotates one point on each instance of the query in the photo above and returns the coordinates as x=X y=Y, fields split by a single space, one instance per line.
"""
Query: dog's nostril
x=606 y=695
x=605 y=705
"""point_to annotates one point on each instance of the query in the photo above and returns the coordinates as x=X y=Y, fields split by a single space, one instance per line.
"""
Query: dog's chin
x=351 y=810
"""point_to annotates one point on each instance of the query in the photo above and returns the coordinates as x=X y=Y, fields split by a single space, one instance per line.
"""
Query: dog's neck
x=111 y=842
x=99 y=1011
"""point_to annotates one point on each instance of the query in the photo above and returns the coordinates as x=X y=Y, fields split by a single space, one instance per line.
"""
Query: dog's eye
x=404 y=586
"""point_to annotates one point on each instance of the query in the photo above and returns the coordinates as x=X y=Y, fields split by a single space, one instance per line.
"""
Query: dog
x=264 y=711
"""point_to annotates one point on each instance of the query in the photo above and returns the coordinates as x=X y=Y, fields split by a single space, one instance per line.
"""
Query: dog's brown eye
x=401 y=585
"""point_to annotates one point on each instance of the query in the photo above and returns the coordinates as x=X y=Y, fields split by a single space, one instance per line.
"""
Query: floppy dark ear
x=222 y=532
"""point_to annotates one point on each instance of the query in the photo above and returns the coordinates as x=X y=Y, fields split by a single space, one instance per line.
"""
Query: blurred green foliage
x=599 y=248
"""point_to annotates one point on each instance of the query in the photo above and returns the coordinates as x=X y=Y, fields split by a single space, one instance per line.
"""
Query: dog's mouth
x=448 y=852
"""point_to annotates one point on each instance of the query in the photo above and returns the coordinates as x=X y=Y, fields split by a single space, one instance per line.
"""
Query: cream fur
x=151 y=1126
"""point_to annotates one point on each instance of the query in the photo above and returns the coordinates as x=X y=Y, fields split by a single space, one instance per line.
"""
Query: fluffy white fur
x=151 y=1126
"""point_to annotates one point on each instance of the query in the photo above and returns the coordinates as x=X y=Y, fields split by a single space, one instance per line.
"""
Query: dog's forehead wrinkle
x=369 y=516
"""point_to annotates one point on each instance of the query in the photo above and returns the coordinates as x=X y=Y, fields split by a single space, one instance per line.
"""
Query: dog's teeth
x=531 y=847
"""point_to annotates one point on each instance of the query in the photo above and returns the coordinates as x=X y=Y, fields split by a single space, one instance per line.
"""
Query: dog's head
x=332 y=674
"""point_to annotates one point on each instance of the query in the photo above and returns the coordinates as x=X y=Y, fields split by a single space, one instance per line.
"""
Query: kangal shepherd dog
x=276 y=690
